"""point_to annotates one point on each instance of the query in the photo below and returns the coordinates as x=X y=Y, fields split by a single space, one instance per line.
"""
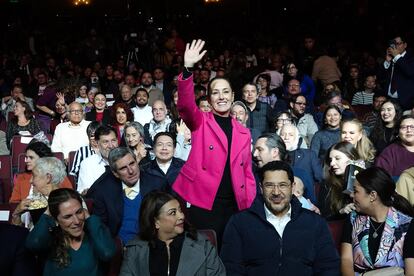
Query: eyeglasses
x=300 y=103
x=284 y=120
x=76 y=111
x=293 y=85
x=406 y=127
x=281 y=186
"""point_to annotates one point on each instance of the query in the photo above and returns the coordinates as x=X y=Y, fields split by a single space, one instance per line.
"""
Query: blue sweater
x=130 y=222
x=323 y=140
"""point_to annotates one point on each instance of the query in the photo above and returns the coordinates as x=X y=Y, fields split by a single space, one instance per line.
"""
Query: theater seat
x=336 y=227
x=210 y=234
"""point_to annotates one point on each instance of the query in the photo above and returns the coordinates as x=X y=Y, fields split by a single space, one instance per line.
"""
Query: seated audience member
x=352 y=131
x=84 y=152
x=332 y=202
x=173 y=110
x=142 y=111
x=134 y=139
x=95 y=165
x=329 y=134
x=203 y=104
x=118 y=193
x=126 y=96
x=61 y=114
x=281 y=119
x=23 y=123
x=379 y=235
x=15 y=259
x=259 y=112
x=270 y=147
x=255 y=238
x=405 y=185
x=76 y=243
x=240 y=112
x=371 y=117
x=70 y=136
x=121 y=114
x=91 y=100
x=334 y=98
x=183 y=145
x=165 y=165
x=22 y=181
x=299 y=157
x=266 y=95
x=48 y=174
x=159 y=123
x=99 y=112
x=366 y=96
x=166 y=244
x=385 y=130
x=8 y=102
x=298 y=189
x=82 y=96
x=303 y=121
x=399 y=156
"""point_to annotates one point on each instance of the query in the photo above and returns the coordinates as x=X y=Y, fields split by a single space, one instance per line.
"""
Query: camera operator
x=399 y=67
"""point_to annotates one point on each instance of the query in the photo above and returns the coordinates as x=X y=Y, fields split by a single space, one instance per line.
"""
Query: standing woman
x=217 y=179
x=76 y=243
x=330 y=134
x=385 y=130
x=23 y=121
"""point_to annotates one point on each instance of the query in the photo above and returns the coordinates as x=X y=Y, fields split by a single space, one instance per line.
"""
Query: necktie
x=128 y=192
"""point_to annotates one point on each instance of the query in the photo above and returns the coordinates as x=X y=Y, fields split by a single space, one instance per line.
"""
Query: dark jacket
x=197 y=258
x=108 y=201
x=252 y=246
x=91 y=116
x=307 y=160
x=152 y=168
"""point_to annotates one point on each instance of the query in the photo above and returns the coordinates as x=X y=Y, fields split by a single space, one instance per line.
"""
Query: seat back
x=5 y=178
x=18 y=146
x=210 y=234
x=116 y=261
x=335 y=228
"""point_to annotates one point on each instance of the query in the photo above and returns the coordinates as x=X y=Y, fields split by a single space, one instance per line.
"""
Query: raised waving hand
x=194 y=52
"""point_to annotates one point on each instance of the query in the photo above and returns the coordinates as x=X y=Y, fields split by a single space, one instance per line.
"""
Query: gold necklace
x=375 y=235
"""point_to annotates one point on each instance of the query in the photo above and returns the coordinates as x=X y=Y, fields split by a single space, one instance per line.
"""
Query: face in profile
x=338 y=162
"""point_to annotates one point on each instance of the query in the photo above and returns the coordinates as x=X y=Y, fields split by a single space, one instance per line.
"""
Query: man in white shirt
x=95 y=165
x=142 y=111
x=70 y=136
x=276 y=236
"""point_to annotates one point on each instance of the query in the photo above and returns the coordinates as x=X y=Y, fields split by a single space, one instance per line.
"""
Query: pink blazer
x=199 y=178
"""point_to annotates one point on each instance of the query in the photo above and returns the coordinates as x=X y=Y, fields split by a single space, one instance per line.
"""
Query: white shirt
x=164 y=167
x=90 y=170
x=134 y=190
x=69 y=138
x=142 y=115
x=279 y=223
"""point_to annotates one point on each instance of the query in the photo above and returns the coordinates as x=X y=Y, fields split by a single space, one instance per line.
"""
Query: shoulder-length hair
x=149 y=212
x=28 y=112
x=378 y=132
x=364 y=146
x=337 y=183
x=129 y=114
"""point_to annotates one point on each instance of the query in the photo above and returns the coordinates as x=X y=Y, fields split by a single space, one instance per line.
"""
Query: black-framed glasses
x=301 y=103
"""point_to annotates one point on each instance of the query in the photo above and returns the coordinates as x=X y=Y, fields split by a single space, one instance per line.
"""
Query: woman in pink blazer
x=217 y=179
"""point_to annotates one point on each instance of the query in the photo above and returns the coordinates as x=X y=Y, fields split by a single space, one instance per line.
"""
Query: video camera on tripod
x=133 y=48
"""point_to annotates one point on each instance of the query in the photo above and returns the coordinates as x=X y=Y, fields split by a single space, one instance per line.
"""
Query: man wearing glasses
x=399 y=67
x=70 y=136
x=303 y=121
x=276 y=236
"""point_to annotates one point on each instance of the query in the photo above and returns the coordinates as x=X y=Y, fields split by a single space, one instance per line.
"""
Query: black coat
x=91 y=116
x=153 y=169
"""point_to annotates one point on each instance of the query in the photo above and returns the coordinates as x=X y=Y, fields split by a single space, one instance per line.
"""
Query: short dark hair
x=276 y=166
x=150 y=210
x=202 y=98
x=104 y=130
x=165 y=133
x=141 y=89
x=274 y=141
x=92 y=127
x=117 y=153
x=40 y=149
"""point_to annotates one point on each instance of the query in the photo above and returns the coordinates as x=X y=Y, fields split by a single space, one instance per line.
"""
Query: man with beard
x=142 y=111
x=276 y=236
x=153 y=92
x=304 y=121
x=259 y=113
x=240 y=112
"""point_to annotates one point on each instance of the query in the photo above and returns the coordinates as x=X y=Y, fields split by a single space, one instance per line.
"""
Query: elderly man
x=160 y=122
x=126 y=96
x=270 y=147
x=240 y=112
x=70 y=136
x=118 y=193
x=276 y=236
x=95 y=165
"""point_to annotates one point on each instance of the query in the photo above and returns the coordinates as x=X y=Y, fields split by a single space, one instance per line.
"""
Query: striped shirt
x=81 y=154
x=363 y=98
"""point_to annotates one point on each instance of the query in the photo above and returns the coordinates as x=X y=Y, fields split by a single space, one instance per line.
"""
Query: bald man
x=160 y=122
x=70 y=136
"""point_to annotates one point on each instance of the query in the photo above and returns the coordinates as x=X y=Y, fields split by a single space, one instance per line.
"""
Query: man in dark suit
x=118 y=193
x=399 y=67
x=15 y=259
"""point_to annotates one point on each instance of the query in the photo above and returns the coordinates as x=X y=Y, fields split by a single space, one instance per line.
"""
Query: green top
x=97 y=245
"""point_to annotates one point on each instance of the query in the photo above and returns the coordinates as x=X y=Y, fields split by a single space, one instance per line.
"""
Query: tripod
x=132 y=56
